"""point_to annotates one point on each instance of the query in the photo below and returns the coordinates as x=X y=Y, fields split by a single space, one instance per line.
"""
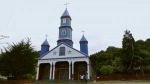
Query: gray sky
x=104 y=21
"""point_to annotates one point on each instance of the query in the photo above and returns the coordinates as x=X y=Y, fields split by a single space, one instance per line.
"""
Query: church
x=64 y=62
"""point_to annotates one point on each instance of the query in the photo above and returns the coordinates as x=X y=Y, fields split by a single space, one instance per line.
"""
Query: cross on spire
x=46 y=36
x=83 y=32
x=66 y=4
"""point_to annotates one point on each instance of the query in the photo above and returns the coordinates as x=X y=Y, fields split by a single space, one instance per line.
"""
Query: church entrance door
x=44 y=71
x=63 y=74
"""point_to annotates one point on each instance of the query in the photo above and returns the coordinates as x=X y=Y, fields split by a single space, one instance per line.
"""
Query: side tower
x=44 y=47
x=65 y=30
x=84 y=45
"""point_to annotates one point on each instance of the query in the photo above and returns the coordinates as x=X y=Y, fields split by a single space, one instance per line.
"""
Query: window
x=63 y=32
x=61 y=51
x=64 y=20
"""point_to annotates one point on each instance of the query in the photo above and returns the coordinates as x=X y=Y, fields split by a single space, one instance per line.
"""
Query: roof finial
x=66 y=4
x=46 y=36
x=83 y=32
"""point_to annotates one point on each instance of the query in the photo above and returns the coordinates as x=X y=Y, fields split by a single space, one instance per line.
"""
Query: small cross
x=46 y=36
x=66 y=4
x=83 y=32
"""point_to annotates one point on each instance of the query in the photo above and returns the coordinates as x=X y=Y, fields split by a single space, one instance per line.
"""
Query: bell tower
x=65 y=29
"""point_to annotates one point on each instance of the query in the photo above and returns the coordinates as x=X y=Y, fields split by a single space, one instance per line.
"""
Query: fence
x=123 y=77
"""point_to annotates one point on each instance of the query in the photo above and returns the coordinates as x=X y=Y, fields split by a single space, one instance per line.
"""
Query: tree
x=128 y=50
x=18 y=60
x=107 y=70
x=109 y=57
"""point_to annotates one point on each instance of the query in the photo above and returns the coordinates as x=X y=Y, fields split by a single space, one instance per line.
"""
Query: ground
x=101 y=82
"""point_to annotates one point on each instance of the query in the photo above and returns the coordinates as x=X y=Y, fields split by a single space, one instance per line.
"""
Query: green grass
x=100 y=82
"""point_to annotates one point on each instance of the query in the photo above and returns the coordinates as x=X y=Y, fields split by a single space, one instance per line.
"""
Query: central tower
x=65 y=30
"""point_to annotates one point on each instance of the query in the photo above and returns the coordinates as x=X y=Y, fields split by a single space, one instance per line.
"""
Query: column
x=72 y=70
x=69 y=70
x=53 y=71
x=37 y=73
x=88 y=71
x=50 y=73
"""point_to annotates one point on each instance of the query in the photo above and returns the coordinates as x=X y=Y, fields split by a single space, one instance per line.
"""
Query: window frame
x=62 y=51
x=63 y=32
x=64 y=20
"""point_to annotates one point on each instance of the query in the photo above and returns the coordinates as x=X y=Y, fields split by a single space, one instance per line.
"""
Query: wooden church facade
x=62 y=70
x=64 y=62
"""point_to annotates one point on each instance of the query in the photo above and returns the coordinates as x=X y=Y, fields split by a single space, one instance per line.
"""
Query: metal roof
x=45 y=42
x=83 y=38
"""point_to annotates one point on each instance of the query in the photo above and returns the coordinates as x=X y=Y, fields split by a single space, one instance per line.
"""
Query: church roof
x=85 y=55
x=65 y=13
x=83 y=38
x=45 y=42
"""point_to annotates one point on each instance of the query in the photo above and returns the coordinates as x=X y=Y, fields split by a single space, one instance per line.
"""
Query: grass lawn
x=101 y=82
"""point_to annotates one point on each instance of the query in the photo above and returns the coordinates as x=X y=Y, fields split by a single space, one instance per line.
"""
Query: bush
x=107 y=70
x=28 y=76
x=146 y=69
x=2 y=79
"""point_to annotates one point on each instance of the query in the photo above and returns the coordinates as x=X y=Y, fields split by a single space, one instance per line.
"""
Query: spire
x=83 y=39
x=44 y=47
x=84 y=45
x=45 y=42
x=65 y=13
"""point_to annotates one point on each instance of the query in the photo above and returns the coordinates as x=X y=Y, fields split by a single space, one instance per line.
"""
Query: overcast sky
x=104 y=21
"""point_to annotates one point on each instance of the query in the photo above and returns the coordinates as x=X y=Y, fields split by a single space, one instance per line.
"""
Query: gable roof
x=85 y=55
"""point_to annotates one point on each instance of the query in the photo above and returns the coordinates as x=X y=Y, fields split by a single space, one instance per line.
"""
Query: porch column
x=50 y=73
x=88 y=71
x=37 y=73
x=72 y=70
x=53 y=71
x=69 y=70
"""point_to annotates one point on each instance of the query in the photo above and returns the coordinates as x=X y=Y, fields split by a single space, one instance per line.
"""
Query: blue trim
x=66 y=45
x=64 y=58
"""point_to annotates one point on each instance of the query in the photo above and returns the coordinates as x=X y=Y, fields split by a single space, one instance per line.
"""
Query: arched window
x=61 y=51
x=63 y=32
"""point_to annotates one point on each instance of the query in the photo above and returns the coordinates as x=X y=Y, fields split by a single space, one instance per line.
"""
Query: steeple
x=83 y=39
x=44 y=47
x=84 y=45
x=65 y=14
x=65 y=29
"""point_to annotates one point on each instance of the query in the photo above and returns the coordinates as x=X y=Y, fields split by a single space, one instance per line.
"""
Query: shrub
x=28 y=76
x=107 y=70
x=2 y=79
x=146 y=69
